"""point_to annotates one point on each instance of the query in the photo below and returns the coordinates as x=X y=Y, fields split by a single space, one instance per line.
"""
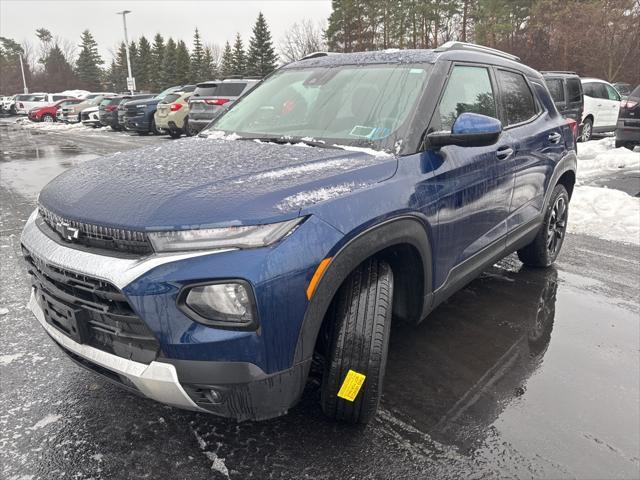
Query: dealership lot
x=525 y=373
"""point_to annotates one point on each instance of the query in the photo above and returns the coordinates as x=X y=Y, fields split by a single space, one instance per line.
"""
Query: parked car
x=624 y=89
x=171 y=113
x=139 y=114
x=210 y=98
x=38 y=100
x=109 y=108
x=9 y=104
x=340 y=192
x=49 y=113
x=71 y=113
x=90 y=117
x=566 y=90
x=601 y=106
x=628 y=131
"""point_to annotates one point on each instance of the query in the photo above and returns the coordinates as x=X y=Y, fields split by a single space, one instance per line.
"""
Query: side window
x=573 y=90
x=59 y=97
x=556 y=89
x=517 y=98
x=612 y=94
x=590 y=90
x=468 y=90
x=601 y=91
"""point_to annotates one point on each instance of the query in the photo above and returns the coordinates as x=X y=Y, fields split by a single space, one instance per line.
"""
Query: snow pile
x=605 y=213
x=304 y=199
x=597 y=157
x=54 y=126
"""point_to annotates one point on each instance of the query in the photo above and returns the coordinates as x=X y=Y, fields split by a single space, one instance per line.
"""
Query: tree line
x=155 y=65
x=599 y=38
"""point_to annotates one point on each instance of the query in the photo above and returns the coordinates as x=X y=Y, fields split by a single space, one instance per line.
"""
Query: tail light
x=216 y=101
x=20 y=105
x=111 y=108
x=174 y=107
x=628 y=104
x=573 y=125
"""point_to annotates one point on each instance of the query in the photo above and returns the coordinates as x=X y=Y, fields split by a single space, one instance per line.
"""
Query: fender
x=568 y=163
x=408 y=230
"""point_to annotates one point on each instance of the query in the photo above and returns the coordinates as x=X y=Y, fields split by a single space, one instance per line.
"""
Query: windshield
x=368 y=106
x=166 y=92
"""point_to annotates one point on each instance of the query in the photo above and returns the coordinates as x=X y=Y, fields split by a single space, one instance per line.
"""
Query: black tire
x=154 y=129
x=187 y=129
x=12 y=110
x=175 y=133
x=360 y=320
x=587 y=130
x=545 y=248
x=116 y=129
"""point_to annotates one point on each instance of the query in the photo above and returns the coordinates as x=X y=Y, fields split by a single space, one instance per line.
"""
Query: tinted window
x=612 y=93
x=172 y=97
x=37 y=98
x=595 y=90
x=556 y=89
x=59 y=97
x=517 y=99
x=636 y=92
x=206 y=90
x=573 y=90
x=230 y=89
x=469 y=90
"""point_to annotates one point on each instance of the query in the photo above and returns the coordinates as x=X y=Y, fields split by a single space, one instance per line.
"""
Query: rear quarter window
x=517 y=100
x=172 y=97
x=230 y=89
x=206 y=90
x=573 y=90
x=556 y=89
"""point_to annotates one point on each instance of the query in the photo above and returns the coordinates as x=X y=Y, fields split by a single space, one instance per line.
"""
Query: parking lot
x=523 y=373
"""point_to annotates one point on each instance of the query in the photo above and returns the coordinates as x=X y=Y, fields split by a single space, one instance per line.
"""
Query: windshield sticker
x=371 y=133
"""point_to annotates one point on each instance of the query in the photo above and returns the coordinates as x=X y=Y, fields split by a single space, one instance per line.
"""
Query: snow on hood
x=202 y=181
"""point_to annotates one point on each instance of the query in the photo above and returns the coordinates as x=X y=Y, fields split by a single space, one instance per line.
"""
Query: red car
x=48 y=113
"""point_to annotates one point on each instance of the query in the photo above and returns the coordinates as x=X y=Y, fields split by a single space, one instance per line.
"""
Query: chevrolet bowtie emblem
x=67 y=232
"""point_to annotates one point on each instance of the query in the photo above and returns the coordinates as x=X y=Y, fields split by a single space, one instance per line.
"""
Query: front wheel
x=545 y=248
x=48 y=118
x=359 y=338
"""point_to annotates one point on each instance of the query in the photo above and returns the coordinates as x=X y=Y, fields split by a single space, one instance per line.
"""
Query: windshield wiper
x=293 y=141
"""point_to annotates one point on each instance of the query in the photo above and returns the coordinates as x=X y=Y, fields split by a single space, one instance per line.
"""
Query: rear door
x=538 y=143
x=612 y=105
x=574 y=99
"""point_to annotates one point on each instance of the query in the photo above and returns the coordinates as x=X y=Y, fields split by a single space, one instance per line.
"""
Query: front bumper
x=196 y=125
x=628 y=133
x=137 y=123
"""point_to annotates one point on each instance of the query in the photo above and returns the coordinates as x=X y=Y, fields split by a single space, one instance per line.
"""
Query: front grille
x=96 y=236
x=102 y=312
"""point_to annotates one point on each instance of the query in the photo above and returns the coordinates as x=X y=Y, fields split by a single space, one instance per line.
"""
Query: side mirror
x=469 y=130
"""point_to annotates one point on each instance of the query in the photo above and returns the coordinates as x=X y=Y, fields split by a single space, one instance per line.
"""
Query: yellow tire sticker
x=351 y=385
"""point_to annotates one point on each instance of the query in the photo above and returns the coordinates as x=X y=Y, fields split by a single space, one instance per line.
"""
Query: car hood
x=200 y=182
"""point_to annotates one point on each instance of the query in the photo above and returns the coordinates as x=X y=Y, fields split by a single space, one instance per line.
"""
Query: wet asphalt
x=522 y=374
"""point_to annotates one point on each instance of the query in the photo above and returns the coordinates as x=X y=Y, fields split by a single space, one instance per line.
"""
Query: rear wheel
x=545 y=248
x=48 y=118
x=360 y=320
x=587 y=130
x=154 y=129
x=175 y=133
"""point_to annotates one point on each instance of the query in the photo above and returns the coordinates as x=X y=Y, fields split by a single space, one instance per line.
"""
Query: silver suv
x=210 y=98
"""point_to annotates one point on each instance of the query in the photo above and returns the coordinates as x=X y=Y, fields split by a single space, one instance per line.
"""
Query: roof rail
x=452 y=45
x=565 y=72
x=318 y=54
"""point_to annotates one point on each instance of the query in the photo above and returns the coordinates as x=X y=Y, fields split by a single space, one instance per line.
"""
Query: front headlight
x=251 y=236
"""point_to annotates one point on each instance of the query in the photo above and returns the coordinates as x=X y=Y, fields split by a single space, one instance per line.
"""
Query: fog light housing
x=228 y=304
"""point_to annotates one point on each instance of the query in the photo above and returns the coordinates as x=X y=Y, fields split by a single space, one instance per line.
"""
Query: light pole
x=24 y=82
x=131 y=82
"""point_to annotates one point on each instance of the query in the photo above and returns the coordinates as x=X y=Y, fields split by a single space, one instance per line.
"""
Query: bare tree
x=302 y=39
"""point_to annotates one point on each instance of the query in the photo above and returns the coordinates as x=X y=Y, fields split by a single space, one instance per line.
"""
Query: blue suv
x=343 y=191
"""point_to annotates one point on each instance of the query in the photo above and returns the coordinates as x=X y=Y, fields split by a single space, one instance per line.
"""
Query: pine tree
x=144 y=69
x=239 y=57
x=226 y=64
x=88 y=63
x=157 y=54
x=209 y=68
x=119 y=74
x=169 y=72
x=261 y=59
x=197 y=59
x=59 y=73
x=112 y=78
x=133 y=58
x=183 y=63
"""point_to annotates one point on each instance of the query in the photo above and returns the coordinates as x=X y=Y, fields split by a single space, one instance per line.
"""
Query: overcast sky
x=218 y=21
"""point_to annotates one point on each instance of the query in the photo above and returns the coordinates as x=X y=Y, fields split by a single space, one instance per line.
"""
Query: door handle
x=504 y=152
x=554 y=137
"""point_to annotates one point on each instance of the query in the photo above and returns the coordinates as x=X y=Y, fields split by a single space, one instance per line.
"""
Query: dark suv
x=138 y=114
x=210 y=98
x=628 y=129
x=566 y=91
x=108 y=108
x=344 y=191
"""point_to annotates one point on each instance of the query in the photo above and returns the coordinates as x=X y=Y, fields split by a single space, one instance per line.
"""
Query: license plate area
x=70 y=320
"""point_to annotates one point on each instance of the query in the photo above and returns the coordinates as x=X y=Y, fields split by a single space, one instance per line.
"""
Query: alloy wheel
x=557 y=225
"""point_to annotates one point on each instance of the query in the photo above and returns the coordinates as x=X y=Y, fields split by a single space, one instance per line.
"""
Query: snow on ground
x=598 y=157
x=599 y=211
